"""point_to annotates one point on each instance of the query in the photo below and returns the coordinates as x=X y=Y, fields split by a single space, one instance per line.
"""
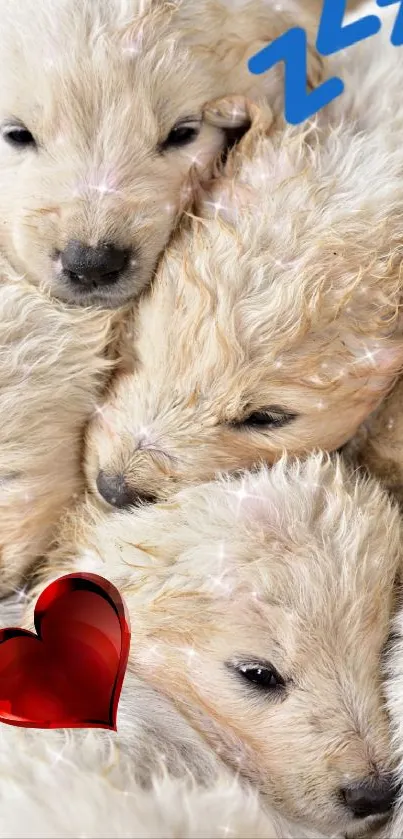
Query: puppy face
x=260 y=606
x=273 y=324
x=97 y=139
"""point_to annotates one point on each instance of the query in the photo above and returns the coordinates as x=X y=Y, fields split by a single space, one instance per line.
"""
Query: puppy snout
x=116 y=492
x=89 y=266
x=370 y=797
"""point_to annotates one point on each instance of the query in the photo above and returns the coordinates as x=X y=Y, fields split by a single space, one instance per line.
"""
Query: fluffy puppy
x=101 y=121
x=155 y=777
x=260 y=607
x=274 y=321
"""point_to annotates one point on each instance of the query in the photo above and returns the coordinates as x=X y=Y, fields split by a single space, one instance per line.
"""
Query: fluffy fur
x=291 y=568
x=394 y=692
x=100 y=87
x=281 y=300
x=54 y=364
x=378 y=445
x=154 y=778
x=98 y=95
x=56 y=785
x=377 y=449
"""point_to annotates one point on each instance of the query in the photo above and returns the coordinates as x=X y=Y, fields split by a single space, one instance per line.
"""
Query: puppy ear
x=236 y=113
x=257 y=123
x=379 y=361
x=229 y=112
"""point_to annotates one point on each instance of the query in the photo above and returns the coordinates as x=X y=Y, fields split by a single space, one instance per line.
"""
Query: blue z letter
x=333 y=36
x=397 y=33
x=292 y=49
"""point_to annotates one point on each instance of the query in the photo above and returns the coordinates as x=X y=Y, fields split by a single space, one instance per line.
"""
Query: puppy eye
x=268 y=418
x=18 y=136
x=181 y=135
x=261 y=675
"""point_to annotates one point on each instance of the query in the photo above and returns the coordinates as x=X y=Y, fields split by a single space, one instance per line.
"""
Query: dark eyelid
x=284 y=416
x=237 y=662
x=192 y=122
x=180 y=123
x=190 y=118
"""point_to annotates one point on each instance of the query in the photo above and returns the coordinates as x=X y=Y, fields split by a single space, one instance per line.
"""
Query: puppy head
x=260 y=606
x=272 y=324
x=101 y=123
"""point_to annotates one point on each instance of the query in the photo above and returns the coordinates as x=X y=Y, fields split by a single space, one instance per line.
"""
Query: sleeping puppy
x=274 y=320
x=101 y=125
x=259 y=607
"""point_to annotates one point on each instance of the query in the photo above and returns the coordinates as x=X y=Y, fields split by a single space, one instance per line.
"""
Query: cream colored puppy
x=274 y=321
x=101 y=121
x=102 y=126
x=260 y=608
x=154 y=778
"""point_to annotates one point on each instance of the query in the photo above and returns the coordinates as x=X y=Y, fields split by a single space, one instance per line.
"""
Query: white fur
x=153 y=779
x=294 y=566
x=282 y=298
x=99 y=86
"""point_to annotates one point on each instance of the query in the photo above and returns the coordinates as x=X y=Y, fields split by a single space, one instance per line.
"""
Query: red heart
x=71 y=673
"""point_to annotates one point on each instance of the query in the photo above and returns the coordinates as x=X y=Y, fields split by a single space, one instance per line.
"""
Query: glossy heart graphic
x=70 y=674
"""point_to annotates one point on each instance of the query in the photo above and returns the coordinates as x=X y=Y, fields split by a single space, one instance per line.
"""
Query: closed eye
x=182 y=133
x=267 y=418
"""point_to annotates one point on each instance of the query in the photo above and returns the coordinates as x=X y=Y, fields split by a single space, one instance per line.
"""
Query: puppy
x=260 y=607
x=274 y=321
x=101 y=121
x=154 y=777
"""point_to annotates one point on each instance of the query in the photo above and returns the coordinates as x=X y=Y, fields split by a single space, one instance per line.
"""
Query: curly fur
x=54 y=364
x=282 y=297
x=293 y=566
x=100 y=86
x=153 y=778
x=98 y=91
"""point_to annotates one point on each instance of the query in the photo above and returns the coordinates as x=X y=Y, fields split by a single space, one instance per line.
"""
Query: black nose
x=115 y=490
x=370 y=797
x=93 y=266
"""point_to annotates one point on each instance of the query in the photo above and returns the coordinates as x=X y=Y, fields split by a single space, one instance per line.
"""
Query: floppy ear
x=226 y=192
x=228 y=112
x=238 y=114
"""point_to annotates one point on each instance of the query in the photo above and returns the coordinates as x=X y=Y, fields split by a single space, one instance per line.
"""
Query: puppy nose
x=115 y=490
x=100 y=265
x=370 y=797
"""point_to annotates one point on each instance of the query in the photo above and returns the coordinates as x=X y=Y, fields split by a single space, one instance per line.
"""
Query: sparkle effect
x=242 y=494
x=100 y=412
x=220 y=582
x=190 y=655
